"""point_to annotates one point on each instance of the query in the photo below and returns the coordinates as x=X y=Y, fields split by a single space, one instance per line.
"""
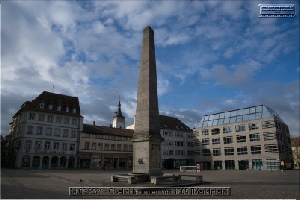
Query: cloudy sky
x=211 y=56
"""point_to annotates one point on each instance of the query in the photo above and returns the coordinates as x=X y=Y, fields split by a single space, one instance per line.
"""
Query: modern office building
x=254 y=138
x=45 y=132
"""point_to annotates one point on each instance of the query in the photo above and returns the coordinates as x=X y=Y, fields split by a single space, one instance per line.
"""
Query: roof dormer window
x=67 y=109
x=74 y=110
x=50 y=106
x=41 y=105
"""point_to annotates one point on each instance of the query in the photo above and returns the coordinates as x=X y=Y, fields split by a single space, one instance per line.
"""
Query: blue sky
x=211 y=56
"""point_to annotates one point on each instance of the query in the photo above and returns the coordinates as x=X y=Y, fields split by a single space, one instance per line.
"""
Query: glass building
x=254 y=138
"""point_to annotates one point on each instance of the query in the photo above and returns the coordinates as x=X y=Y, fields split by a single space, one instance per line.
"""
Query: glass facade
x=240 y=115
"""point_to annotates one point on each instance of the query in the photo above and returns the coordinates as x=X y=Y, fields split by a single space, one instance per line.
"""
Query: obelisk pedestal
x=146 y=138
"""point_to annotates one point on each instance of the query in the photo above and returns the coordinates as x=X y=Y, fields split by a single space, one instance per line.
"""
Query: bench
x=130 y=179
x=156 y=179
x=199 y=178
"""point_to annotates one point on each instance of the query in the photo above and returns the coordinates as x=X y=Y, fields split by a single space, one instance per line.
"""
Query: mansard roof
x=49 y=98
x=167 y=122
x=106 y=130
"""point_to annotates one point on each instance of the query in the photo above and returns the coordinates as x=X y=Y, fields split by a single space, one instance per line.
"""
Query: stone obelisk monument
x=146 y=138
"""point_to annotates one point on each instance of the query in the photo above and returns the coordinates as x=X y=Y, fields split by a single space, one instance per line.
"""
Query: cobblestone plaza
x=54 y=184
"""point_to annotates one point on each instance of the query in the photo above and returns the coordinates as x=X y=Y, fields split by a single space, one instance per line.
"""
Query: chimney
x=93 y=123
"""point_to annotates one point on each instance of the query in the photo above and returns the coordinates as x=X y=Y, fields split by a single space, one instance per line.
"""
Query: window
x=48 y=131
x=58 y=120
x=56 y=145
x=242 y=150
x=125 y=147
x=74 y=110
x=269 y=136
x=29 y=129
x=57 y=132
x=100 y=146
x=256 y=149
x=28 y=144
x=119 y=147
x=94 y=146
x=216 y=141
x=227 y=140
x=107 y=137
x=215 y=131
x=113 y=137
x=113 y=147
x=205 y=152
x=267 y=124
x=86 y=145
x=178 y=143
x=253 y=126
x=205 y=132
x=66 y=133
x=86 y=135
x=240 y=128
x=47 y=145
x=106 y=147
x=38 y=145
x=130 y=147
x=72 y=147
x=50 y=106
x=39 y=130
x=41 y=117
x=271 y=148
x=73 y=134
x=64 y=146
x=31 y=116
x=50 y=118
x=67 y=109
x=171 y=152
x=240 y=138
x=41 y=105
x=273 y=164
x=74 y=121
x=66 y=120
x=254 y=137
x=216 y=151
x=118 y=138
x=58 y=108
x=101 y=136
x=229 y=151
x=205 y=141
x=227 y=129
x=125 y=138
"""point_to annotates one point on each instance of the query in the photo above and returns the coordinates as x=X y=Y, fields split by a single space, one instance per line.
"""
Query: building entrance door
x=257 y=164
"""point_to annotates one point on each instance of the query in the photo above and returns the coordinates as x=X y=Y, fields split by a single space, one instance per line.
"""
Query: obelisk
x=146 y=138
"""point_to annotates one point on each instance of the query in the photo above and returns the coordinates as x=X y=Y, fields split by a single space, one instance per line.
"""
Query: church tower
x=119 y=119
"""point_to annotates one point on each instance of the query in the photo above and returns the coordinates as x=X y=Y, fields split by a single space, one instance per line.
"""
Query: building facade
x=249 y=138
x=178 y=146
x=45 y=132
x=104 y=145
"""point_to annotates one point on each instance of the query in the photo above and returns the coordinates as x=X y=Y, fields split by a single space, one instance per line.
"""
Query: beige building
x=106 y=145
x=45 y=132
x=101 y=145
x=178 y=146
x=249 y=138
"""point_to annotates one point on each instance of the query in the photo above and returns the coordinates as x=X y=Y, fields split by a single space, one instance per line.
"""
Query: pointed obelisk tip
x=148 y=27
